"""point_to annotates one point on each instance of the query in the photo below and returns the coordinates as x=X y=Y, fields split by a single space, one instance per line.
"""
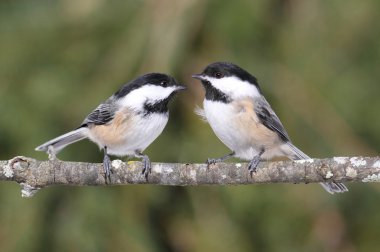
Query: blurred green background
x=317 y=63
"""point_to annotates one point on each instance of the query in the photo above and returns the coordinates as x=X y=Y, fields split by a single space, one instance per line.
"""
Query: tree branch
x=32 y=174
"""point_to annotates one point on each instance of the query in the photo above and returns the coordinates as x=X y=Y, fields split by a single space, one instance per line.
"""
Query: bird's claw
x=252 y=166
x=211 y=161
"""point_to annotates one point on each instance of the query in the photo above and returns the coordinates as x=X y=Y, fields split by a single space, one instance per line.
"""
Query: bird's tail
x=331 y=187
x=58 y=143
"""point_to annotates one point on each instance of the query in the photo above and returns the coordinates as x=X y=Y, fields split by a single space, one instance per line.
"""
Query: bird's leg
x=147 y=167
x=255 y=162
x=107 y=166
x=218 y=160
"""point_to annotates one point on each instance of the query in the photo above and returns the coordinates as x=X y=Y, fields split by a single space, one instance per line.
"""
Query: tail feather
x=298 y=154
x=61 y=142
x=331 y=187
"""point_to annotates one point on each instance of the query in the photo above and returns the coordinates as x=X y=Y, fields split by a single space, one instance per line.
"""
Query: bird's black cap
x=219 y=70
x=158 y=79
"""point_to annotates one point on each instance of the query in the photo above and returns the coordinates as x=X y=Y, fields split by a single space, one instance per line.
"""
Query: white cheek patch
x=151 y=93
x=234 y=87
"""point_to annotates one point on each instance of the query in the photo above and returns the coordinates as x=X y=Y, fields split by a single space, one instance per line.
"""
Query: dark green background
x=317 y=63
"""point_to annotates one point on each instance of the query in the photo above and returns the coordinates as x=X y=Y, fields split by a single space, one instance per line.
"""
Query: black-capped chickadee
x=243 y=120
x=127 y=122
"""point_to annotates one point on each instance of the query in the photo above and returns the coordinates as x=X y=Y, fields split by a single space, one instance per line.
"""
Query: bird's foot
x=252 y=165
x=212 y=161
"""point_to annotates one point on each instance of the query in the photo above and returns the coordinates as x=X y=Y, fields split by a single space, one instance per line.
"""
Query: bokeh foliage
x=317 y=62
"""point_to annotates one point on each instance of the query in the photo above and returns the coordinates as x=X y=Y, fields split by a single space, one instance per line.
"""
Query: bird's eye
x=164 y=83
x=218 y=75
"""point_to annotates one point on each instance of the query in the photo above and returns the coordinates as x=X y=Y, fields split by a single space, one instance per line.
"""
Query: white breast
x=144 y=131
x=239 y=128
x=134 y=133
x=221 y=118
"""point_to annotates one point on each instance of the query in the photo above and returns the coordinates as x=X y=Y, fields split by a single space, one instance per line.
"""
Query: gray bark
x=32 y=174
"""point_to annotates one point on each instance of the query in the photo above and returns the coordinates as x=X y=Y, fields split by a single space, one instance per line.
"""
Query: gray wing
x=103 y=114
x=267 y=116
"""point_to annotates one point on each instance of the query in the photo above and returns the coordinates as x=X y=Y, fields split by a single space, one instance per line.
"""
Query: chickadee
x=243 y=120
x=127 y=122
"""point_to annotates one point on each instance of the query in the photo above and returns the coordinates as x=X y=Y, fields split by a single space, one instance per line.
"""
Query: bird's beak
x=199 y=77
x=180 y=88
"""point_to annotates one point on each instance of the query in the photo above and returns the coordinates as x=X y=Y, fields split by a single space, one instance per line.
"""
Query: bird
x=126 y=123
x=243 y=120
